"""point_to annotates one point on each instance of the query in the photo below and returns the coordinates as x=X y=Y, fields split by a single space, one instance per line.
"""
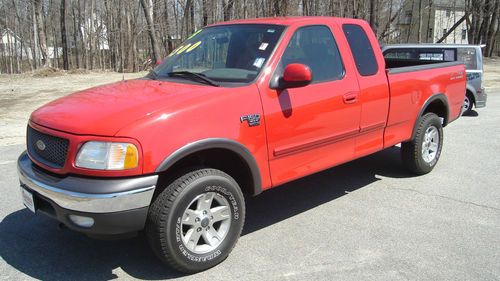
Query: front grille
x=47 y=149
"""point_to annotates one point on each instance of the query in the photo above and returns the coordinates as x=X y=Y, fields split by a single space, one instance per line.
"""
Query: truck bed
x=412 y=86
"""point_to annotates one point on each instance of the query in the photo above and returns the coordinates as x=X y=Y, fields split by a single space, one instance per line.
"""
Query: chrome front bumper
x=91 y=195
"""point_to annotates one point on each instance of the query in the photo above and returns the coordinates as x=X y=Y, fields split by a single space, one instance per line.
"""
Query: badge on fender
x=251 y=119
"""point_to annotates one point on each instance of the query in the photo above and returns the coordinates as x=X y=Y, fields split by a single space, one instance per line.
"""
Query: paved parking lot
x=365 y=220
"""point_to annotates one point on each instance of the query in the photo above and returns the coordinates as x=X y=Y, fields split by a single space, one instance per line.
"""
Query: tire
x=176 y=220
x=421 y=154
x=468 y=104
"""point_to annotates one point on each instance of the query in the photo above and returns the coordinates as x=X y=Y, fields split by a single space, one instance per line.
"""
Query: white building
x=438 y=17
x=444 y=19
x=10 y=45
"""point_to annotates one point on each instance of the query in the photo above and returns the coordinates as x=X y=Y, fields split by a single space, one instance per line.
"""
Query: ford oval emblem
x=40 y=145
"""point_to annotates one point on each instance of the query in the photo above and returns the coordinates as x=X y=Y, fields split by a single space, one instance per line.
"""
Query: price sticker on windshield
x=263 y=46
x=259 y=62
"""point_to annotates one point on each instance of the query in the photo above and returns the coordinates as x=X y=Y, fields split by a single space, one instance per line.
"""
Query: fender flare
x=440 y=96
x=212 y=143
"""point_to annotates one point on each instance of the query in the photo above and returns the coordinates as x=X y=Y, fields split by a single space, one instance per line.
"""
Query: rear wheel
x=422 y=153
x=196 y=221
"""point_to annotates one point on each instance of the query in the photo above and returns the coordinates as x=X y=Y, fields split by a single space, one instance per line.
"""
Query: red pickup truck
x=238 y=108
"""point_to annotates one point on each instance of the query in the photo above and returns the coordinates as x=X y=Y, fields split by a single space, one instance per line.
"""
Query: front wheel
x=421 y=154
x=195 y=222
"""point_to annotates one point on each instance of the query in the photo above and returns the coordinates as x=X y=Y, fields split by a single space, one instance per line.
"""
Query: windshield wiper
x=153 y=75
x=194 y=76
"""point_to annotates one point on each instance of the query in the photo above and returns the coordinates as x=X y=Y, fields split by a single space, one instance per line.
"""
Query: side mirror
x=296 y=75
x=158 y=62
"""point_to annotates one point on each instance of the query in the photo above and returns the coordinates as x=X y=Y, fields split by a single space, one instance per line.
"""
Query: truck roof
x=288 y=20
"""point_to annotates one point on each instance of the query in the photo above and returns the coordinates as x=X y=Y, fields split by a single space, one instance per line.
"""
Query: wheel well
x=439 y=108
x=471 y=96
x=217 y=158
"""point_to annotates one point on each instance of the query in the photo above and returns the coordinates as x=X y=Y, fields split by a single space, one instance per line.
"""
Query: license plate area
x=28 y=199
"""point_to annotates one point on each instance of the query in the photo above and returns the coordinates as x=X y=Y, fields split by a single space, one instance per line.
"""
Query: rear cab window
x=361 y=49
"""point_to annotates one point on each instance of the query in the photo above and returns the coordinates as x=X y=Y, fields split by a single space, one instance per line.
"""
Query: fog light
x=82 y=221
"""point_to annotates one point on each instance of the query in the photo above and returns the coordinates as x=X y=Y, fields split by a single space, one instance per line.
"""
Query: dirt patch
x=47 y=72
x=492 y=73
x=21 y=94
x=78 y=71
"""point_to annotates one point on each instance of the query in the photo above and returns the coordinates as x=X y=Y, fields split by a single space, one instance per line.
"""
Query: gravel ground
x=22 y=94
x=365 y=220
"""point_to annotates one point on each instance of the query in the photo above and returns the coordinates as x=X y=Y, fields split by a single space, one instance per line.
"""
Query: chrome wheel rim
x=430 y=144
x=205 y=222
x=466 y=104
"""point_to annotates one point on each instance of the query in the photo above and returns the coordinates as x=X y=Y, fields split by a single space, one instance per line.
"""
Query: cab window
x=315 y=47
x=361 y=49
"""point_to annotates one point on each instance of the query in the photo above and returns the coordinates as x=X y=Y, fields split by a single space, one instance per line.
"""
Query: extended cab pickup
x=238 y=108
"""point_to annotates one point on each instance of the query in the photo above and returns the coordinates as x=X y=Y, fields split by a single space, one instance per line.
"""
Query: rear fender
x=436 y=97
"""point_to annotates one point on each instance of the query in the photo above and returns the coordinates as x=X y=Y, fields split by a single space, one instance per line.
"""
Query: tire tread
x=410 y=151
x=158 y=212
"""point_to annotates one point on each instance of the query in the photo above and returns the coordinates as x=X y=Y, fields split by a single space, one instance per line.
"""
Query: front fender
x=211 y=143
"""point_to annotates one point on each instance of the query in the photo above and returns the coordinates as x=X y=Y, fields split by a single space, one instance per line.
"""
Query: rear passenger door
x=374 y=88
x=313 y=127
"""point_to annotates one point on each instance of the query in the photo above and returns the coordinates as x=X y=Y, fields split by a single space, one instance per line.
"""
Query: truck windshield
x=226 y=53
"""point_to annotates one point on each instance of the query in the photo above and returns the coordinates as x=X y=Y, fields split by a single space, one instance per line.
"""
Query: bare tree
x=205 y=8
x=373 y=15
x=482 y=27
x=280 y=7
x=228 y=9
x=63 y=35
x=147 y=6
x=420 y=21
x=40 y=27
x=492 y=30
x=126 y=35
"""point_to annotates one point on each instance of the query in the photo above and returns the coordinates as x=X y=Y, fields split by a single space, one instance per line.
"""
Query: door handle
x=351 y=97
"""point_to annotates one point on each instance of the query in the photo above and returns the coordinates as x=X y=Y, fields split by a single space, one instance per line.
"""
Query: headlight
x=107 y=156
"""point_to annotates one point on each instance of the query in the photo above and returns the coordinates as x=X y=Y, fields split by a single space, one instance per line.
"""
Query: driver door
x=313 y=127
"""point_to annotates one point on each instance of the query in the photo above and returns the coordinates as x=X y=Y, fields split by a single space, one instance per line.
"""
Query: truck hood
x=104 y=110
